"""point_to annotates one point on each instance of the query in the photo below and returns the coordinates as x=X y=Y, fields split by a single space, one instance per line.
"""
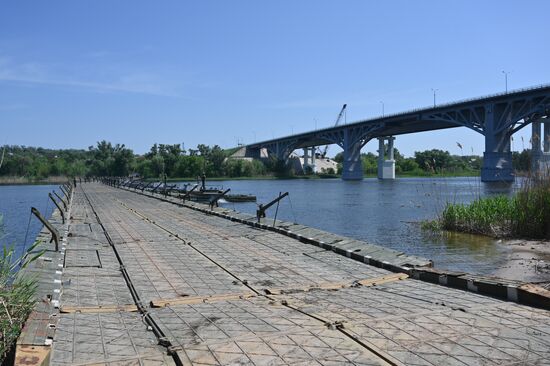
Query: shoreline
x=306 y=177
x=20 y=181
x=527 y=261
x=6 y=181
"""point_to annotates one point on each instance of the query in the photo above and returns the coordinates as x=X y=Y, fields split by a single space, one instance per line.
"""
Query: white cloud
x=130 y=82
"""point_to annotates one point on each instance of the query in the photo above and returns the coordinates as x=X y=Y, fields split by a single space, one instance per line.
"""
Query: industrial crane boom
x=338 y=119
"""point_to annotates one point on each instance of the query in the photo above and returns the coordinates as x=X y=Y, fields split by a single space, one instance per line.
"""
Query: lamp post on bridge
x=382 y=108
x=434 y=90
x=506 y=79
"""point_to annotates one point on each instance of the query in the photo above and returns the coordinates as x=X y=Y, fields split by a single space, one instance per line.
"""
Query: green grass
x=525 y=215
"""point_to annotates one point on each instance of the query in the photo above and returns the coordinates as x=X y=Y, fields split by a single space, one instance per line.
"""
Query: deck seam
x=146 y=316
x=373 y=350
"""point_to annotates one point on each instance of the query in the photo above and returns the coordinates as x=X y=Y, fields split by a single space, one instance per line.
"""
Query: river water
x=15 y=208
x=386 y=213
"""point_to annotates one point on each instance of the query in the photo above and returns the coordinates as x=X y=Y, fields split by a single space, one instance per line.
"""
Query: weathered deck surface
x=220 y=292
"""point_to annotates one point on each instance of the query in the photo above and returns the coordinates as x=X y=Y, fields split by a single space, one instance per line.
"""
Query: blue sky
x=214 y=72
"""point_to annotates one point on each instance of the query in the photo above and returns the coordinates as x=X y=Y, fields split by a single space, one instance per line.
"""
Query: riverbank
x=526 y=261
x=12 y=180
x=5 y=181
x=319 y=176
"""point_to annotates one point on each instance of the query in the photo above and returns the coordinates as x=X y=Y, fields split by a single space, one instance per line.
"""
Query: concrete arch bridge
x=497 y=117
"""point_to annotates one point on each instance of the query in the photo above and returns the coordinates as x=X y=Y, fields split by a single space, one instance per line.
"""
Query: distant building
x=241 y=154
x=300 y=164
x=307 y=165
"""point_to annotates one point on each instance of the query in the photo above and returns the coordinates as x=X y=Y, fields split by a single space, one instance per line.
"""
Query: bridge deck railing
x=416 y=110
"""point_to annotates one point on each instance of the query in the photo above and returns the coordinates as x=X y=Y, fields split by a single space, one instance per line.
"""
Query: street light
x=382 y=108
x=506 y=79
x=434 y=90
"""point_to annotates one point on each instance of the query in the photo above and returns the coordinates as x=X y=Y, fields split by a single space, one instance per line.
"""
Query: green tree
x=433 y=160
x=189 y=166
x=109 y=160
x=370 y=163
x=408 y=165
x=521 y=161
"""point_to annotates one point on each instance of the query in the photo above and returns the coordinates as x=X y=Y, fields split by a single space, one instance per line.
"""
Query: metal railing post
x=260 y=213
x=187 y=194
x=46 y=223
x=61 y=199
x=214 y=200
x=58 y=207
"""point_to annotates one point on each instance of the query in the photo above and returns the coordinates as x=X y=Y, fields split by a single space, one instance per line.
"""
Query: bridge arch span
x=497 y=117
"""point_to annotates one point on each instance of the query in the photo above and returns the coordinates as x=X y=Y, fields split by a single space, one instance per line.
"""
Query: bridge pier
x=309 y=160
x=306 y=158
x=497 y=158
x=386 y=168
x=352 y=165
x=540 y=146
x=546 y=136
x=536 y=151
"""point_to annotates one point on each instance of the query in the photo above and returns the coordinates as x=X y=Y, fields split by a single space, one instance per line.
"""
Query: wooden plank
x=339 y=285
x=98 y=309
x=200 y=299
x=32 y=355
x=384 y=279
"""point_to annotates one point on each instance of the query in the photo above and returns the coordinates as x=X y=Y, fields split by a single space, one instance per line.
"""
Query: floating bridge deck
x=143 y=281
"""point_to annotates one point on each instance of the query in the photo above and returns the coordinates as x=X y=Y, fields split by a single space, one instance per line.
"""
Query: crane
x=323 y=152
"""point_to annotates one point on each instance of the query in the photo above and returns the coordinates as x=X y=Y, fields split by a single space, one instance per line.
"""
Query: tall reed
x=531 y=216
x=17 y=293
x=525 y=215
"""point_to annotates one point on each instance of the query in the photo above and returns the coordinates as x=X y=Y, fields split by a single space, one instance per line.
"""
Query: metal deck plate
x=82 y=258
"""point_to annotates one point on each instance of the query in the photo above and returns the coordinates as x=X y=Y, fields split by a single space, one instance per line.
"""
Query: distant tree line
x=107 y=159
